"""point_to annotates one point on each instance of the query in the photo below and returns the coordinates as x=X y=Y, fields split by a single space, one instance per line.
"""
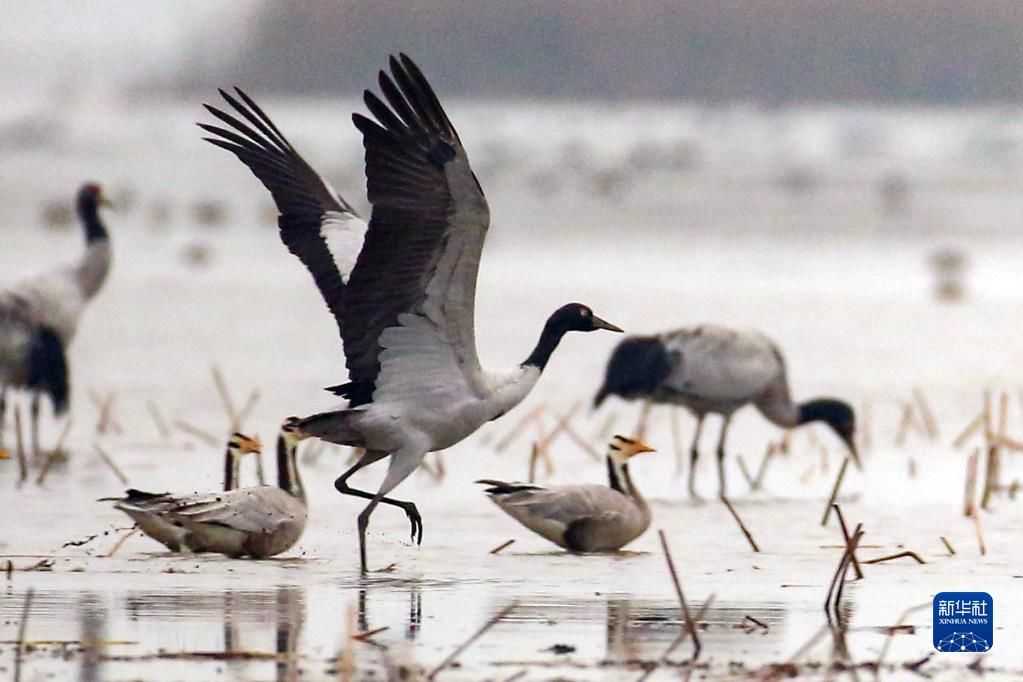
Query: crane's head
x=576 y=317
x=240 y=444
x=837 y=414
x=622 y=448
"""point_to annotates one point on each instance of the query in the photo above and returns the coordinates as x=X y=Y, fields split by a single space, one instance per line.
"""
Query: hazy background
x=769 y=51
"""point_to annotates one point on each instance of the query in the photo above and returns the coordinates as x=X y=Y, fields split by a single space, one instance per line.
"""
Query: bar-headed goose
x=716 y=369
x=406 y=309
x=259 y=522
x=582 y=518
x=39 y=316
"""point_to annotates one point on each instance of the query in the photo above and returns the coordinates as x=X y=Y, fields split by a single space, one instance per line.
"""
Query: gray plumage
x=406 y=309
x=583 y=517
x=713 y=369
x=39 y=316
x=260 y=522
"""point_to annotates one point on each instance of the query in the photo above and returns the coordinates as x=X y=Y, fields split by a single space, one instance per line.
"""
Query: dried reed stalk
x=533 y=454
x=970 y=493
x=225 y=396
x=513 y=432
x=120 y=542
x=899 y=555
x=690 y=624
x=476 y=635
x=502 y=546
x=771 y=451
x=971 y=428
x=742 y=526
x=930 y=423
x=193 y=430
x=105 y=456
x=158 y=420
x=19 y=652
x=947 y=544
x=848 y=541
x=20 y=444
x=743 y=470
x=58 y=450
x=980 y=534
x=834 y=491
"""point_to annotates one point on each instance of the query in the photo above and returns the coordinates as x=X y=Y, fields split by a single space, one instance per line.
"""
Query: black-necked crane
x=259 y=522
x=39 y=317
x=584 y=517
x=406 y=309
x=713 y=369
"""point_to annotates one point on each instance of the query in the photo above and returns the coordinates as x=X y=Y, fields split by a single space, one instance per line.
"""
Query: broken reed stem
x=970 y=493
x=771 y=450
x=834 y=596
x=476 y=635
x=502 y=546
x=994 y=452
x=899 y=555
x=845 y=534
x=574 y=436
x=193 y=430
x=20 y=444
x=742 y=526
x=834 y=491
x=679 y=639
x=22 y=627
x=906 y=422
x=690 y=623
x=533 y=454
x=969 y=430
x=158 y=420
x=120 y=542
x=363 y=636
x=930 y=423
x=948 y=545
x=225 y=396
x=980 y=533
x=742 y=469
x=58 y=449
x=105 y=406
x=248 y=407
x=607 y=426
x=505 y=441
x=110 y=463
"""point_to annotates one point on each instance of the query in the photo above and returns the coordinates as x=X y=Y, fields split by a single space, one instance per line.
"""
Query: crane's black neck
x=88 y=213
x=231 y=468
x=288 y=479
x=550 y=337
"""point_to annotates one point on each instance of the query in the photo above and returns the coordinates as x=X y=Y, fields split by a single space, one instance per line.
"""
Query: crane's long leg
x=721 y=455
x=3 y=411
x=34 y=407
x=403 y=462
x=694 y=454
x=341 y=485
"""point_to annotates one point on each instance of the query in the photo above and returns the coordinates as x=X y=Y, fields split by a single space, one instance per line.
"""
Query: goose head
x=240 y=444
x=623 y=448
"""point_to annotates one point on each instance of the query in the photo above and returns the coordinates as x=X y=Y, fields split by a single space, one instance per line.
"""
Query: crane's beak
x=604 y=324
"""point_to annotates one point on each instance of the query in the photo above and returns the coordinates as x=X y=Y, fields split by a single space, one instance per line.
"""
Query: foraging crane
x=582 y=518
x=39 y=317
x=711 y=369
x=405 y=310
x=260 y=522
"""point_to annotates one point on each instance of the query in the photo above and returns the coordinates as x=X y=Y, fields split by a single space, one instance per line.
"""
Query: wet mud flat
x=114 y=606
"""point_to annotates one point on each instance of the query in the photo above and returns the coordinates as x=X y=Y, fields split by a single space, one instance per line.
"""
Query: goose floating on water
x=39 y=317
x=582 y=518
x=260 y=522
x=405 y=310
x=712 y=369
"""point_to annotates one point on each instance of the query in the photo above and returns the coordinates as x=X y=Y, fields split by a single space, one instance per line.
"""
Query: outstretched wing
x=316 y=224
x=409 y=304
